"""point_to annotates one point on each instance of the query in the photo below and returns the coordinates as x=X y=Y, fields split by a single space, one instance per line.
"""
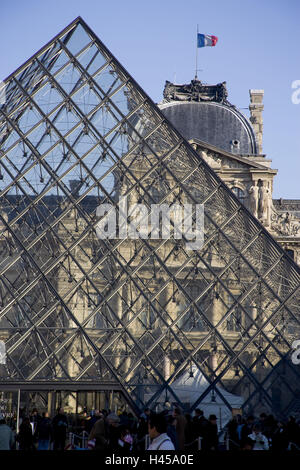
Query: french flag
x=206 y=40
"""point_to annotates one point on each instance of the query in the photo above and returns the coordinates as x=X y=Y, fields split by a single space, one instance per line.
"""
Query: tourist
x=113 y=422
x=246 y=429
x=125 y=441
x=157 y=428
x=280 y=438
x=293 y=433
x=141 y=431
x=44 y=432
x=25 y=437
x=93 y=418
x=232 y=433
x=180 y=428
x=171 y=430
x=59 y=425
x=98 y=432
x=211 y=440
x=199 y=424
x=260 y=440
x=7 y=437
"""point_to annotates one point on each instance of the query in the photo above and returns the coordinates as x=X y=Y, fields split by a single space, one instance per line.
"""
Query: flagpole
x=196 y=77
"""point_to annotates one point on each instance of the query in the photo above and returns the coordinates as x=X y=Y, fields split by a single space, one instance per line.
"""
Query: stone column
x=256 y=108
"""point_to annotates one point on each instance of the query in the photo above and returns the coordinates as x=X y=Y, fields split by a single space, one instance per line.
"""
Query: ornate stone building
x=232 y=146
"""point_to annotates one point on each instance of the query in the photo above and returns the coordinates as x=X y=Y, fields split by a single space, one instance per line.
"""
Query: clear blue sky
x=258 y=47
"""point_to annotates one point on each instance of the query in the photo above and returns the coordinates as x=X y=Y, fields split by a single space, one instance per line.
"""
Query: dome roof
x=218 y=124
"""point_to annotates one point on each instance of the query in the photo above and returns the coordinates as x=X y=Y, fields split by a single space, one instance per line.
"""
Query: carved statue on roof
x=196 y=91
x=253 y=199
x=264 y=204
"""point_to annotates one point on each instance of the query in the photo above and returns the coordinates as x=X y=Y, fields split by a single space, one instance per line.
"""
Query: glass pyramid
x=76 y=132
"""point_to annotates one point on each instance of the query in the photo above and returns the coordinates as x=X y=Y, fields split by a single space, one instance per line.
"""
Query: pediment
x=220 y=159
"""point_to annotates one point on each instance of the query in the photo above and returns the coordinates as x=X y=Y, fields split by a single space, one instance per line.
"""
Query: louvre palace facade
x=93 y=321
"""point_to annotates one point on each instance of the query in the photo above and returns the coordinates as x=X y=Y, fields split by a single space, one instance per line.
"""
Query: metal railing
x=77 y=441
x=228 y=441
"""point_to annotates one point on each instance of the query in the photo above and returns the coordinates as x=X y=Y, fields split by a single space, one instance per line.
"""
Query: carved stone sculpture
x=196 y=91
x=264 y=204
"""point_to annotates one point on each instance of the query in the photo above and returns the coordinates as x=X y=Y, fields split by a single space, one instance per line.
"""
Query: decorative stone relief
x=195 y=91
x=285 y=224
x=212 y=159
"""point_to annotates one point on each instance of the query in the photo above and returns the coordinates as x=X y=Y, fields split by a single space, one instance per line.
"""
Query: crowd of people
x=264 y=433
x=169 y=430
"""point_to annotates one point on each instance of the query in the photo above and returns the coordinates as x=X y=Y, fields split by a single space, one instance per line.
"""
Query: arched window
x=240 y=194
x=193 y=320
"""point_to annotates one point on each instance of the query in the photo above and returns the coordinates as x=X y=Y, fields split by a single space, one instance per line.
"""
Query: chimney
x=256 y=108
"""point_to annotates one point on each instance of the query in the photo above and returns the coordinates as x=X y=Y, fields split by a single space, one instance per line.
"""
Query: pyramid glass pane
x=135 y=310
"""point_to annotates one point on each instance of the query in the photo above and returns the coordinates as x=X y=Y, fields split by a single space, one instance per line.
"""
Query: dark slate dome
x=202 y=112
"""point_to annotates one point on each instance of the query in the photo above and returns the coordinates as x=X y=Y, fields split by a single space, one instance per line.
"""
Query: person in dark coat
x=269 y=426
x=25 y=437
x=124 y=420
x=210 y=440
x=262 y=422
x=98 y=433
x=35 y=418
x=293 y=432
x=279 y=439
x=232 y=430
x=171 y=430
x=189 y=435
x=59 y=425
x=113 y=422
x=141 y=431
x=92 y=420
x=180 y=428
x=199 y=424
x=247 y=429
x=44 y=432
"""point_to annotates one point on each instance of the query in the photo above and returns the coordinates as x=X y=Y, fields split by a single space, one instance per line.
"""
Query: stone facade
x=250 y=176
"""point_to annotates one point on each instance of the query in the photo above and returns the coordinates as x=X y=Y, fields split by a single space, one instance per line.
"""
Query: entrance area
x=79 y=405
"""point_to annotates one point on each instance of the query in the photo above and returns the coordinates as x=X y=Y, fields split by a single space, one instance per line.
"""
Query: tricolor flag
x=206 y=40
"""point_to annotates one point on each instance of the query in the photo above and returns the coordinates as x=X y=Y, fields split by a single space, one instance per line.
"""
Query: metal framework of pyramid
x=77 y=131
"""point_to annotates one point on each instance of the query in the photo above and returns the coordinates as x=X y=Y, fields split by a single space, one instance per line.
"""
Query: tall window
x=104 y=318
x=234 y=321
x=156 y=195
x=149 y=315
x=240 y=194
x=193 y=320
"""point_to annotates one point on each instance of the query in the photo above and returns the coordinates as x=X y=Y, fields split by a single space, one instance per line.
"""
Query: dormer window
x=235 y=146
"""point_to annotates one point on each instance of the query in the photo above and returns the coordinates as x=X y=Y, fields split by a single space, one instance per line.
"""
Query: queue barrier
x=78 y=441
